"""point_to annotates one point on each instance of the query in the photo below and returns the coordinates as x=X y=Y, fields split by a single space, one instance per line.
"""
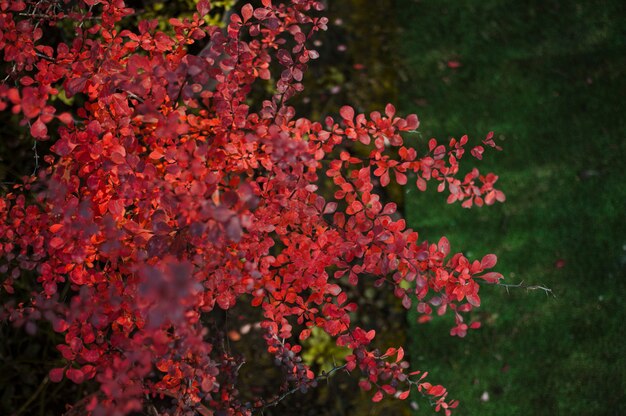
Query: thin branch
x=46 y=57
x=32 y=398
x=36 y=158
x=521 y=285
x=323 y=376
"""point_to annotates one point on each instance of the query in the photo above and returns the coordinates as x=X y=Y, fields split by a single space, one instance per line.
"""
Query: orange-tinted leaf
x=400 y=354
x=247 y=12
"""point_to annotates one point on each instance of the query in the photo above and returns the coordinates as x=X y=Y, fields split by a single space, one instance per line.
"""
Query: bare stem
x=521 y=285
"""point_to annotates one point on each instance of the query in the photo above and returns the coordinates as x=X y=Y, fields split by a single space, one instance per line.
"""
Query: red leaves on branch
x=166 y=198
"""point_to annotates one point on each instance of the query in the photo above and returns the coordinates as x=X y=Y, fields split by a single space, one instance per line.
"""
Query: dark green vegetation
x=549 y=78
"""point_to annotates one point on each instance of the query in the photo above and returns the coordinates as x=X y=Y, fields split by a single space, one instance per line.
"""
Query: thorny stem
x=521 y=284
x=36 y=158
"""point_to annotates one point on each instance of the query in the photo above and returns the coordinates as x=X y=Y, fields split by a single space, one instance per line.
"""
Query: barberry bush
x=168 y=193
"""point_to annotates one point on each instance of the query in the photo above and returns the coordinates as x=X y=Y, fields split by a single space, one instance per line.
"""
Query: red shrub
x=169 y=195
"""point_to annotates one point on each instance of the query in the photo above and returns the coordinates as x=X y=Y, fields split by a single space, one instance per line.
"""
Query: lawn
x=549 y=78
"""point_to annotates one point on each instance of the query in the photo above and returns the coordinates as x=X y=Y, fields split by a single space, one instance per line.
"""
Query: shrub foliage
x=166 y=196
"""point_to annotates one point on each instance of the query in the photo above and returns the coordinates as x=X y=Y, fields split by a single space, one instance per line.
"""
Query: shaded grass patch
x=548 y=78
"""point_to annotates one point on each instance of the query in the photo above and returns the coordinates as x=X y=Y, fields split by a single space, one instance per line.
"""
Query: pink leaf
x=246 y=12
x=330 y=208
x=421 y=184
x=444 y=246
x=390 y=110
x=489 y=261
x=401 y=178
x=473 y=299
x=412 y=122
x=491 y=277
x=377 y=397
x=384 y=179
x=65 y=118
x=347 y=112
x=388 y=389
x=38 y=129
x=404 y=395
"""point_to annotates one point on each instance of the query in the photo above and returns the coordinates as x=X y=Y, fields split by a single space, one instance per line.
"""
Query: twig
x=32 y=398
x=36 y=158
x=323 y=376
x=521 y=284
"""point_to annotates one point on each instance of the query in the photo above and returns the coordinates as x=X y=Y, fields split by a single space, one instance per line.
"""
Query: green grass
x=549 y=78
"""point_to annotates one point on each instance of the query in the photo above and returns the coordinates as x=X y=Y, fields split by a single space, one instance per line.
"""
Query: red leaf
x=330 y=208
x=489 y=261
x=347 y=112
x=74 y=86
x=75 y=375
x=65 y=118
x=390 y=351
x=388 y=389
x=421 y=184
x=401 y=178
x=477 y=152
x=400 y=354
x=412 y=122
x=491 y=277
x=473 y=299
x=304 y=334
x=203 y=7
x=56 y=242
x=444 y=246
x=390 y=110
x=384 y=179
x=377 y=397
x=390 y=208
x=365 y=385
x=246 y=12
x=116 y=207
x=56 y=374
x=436 y=390
x=38 y=129
x=404 y=395
x=31 y=106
